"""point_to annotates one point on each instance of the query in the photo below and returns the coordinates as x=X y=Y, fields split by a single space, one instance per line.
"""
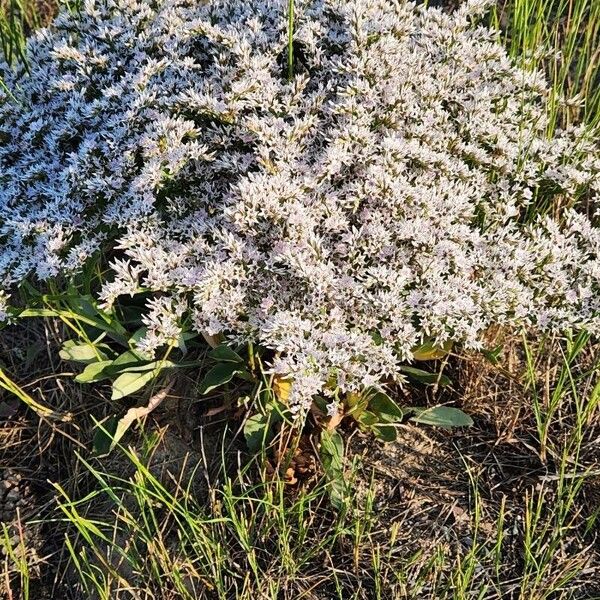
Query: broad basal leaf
x=104 y=434
x=256 y=431
x=220 y=375
x=355 y=403
x=332 y=458
x=429 y=351
x=441 y=416
x=425 y=377
x=386 y=433
x=369 y=421
x=129 y=383
x=224 y=353
x=84 y=352
x=93 y=372
x=385 y=408
x=130 y=358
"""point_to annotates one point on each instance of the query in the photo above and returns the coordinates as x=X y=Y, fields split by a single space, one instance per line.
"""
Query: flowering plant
x=374 y=197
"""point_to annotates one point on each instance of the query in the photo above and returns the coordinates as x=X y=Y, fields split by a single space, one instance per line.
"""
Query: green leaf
x=332 y=458
x=224 y=353
x=493 y=356
x=182 y=340
x=81 y=305
x=595 y=394
x=129 y=383
x=332 y=448
x=385 y=408
x=129 y=358
x=81 y=309
x=157 y=364
x=38 y=312
x=386 y=433
x=355 y=404
x=368 y=419
x=84 y=353
x=377 y=338
x=136 y=336
x=29 y=289
x=321 y=403
x=103 y=435
x=429 y=351
x=441 y=416
x=373 y=422
x=94 y=372
x=220 y=374
x=256 y=431
x=425 y=376
x=85 y=306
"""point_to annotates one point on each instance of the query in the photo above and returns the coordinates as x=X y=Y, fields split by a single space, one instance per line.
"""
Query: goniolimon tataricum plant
x=335 y=188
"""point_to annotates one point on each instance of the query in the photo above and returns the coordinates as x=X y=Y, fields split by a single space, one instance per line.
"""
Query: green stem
x=290 y=57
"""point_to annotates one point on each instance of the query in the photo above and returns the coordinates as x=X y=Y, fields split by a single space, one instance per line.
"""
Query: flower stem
x=290 y=57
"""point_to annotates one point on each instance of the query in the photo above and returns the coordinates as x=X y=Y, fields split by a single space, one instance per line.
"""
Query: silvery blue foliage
x=340 y=218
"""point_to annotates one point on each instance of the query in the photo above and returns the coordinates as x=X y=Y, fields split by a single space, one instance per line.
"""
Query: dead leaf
x=138 y=412
x=282 y=388
x=335 y=420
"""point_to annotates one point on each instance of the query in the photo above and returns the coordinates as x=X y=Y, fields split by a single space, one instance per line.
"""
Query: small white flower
x=333 y=409
x=338 y=218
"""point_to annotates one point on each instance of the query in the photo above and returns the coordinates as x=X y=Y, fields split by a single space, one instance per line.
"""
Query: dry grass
x=483 y=513
x=505 y=510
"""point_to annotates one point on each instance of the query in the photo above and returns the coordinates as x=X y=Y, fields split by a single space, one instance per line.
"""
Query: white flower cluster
x=378 y=198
